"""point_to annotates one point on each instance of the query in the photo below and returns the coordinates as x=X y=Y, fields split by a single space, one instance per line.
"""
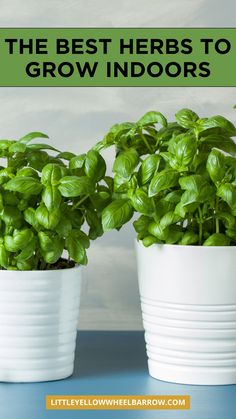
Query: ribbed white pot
x=188 y=299
x=38 y=323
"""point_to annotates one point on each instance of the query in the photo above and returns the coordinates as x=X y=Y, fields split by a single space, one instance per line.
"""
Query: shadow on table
x=105 y=353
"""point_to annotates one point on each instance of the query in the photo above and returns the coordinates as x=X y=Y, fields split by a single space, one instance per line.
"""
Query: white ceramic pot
x=188 y=299
x=38 y=324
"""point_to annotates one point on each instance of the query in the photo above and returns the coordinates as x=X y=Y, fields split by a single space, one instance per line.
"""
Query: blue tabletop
x=114 y=363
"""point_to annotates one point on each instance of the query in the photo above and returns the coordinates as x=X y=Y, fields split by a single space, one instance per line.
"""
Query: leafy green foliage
x=47 y=199
x=179 y=176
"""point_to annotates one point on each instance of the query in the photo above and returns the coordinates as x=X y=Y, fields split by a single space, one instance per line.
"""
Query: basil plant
x=179 y=177
x=46 y=200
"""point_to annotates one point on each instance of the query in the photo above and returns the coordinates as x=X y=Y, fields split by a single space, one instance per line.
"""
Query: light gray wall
x=77 y=117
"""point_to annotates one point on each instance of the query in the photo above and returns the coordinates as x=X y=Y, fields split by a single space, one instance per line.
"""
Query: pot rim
x=37 y=272
x=182 y=246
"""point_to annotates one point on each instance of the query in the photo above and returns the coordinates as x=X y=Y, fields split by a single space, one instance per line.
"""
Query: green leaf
x=66 y=155
x=217 y=239
x=185 y=150
x=231 y=233
x=19 y=240
x=77 y=162
x=26 y=265
x=51 y=246
x=76 y=248
x=227 y=192
x=24 y=184
x=51 y=174
x=10 y=198
x=64 y=228
x=116 y=214
x=199 y=190
x=28 y=251
x=11 y=216
x=95 y=224
x=125 y=163
x=6 y=174
x=142 y=203
x=222 y=142
x=149 y=168
x=31 y=136
x=169 y=218
x=216 y=166
x=227 y=218
x=41 y=146
x=151 y=118
x=186 y=118
x=189 y=238
x=157 y=231
x=217 y=121
x=173 y=197
x=28 y=171
x=163 y=180
x=73 y=186
x=149 y=241
x=51 y=197
x=17 y=147
x=4 y=257
x=37 y=159
x=30 y=218
x=5 y=144
x=174 y=234
x=95 y=166
x=48 y=220
x=141 y=224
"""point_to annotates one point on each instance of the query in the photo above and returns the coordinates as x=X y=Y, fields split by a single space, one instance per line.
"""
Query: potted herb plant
x=46 y=199
x=180 y=179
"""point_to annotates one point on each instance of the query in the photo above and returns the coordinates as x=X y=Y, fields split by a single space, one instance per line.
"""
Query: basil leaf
x=24 y=185
x=4 y=257
x=17 y=147
x=163 y=180
x=221 y=142
x=142 y=203
x=51 y=174
x=189 y=238
x=77 y=162
x=48 y=220
x=149 y=167
x=216 y=166
x=66 y=155
x=185 y=150
x=217 y=121
x=169 y=218
x=95 y=166
x=51 y=246
x=125 y=163
x=28 y=171
x=186 y=118
x=116 y=214
x=149 y=240
x=141 y=224
x=76 y=249
x=31 y=136
x=227 y=192
x=217 y=239
x=150 y=118
x=73 y=186
x=157 y=231
x=51 y=197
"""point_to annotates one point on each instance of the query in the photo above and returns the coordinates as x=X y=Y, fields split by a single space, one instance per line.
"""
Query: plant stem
x=200 y=226
x=217 y=219
x=80 y=202
x=145 y=142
